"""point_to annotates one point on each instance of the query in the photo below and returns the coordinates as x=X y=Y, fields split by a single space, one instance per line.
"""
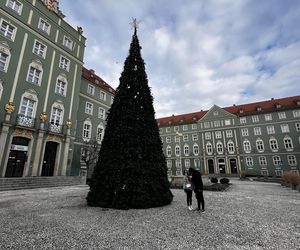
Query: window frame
x=44 y=26
x=19 y=11
x=37 y=51
x=89 y=110
x=5 y=32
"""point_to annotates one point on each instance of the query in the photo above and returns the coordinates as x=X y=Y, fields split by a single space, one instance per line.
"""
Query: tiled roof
x=90 y=75
x=255 y=108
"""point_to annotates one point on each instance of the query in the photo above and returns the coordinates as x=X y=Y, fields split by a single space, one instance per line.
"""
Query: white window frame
x=187 y=163
x=44 y=26
x=15 y=6
x=218 y=134
x=9 y=31
x=39 y=49
x=169 y=151
x=61 y=87
x=194 y=137
x=297 y=125
x=168 y=139
x=177 y=150
x=288 y=143
x=207 y=135
x=101 y=113
x=217 y=123
x=227 y=122
x=255 y=118
x=270 y=130
x=219 y=147
x=281 y=115
x=285 y=128
x=186 y=150
x=262 y=161
x=87 y=130
x=230 y=147
x=100 y=133
x=206 y=124
x=268 y=117
x=249 y=162
x=196 y=149
x=194 y=126
x=257 y=130
x=247 y=146
x=185 y=138
x=90 y=89
x=5 y=60
x=103 y=98
x=68 y=42
x=35 y=73
x=276 y=160
x=260 y=145
x=185 y=127
x=229 y=134
x=245 y=132
x=243 y=120
x=273 y=144
x=64 y=63
x=176 y=129
x=296 y=113
x=209 y=148
x=292 y=160
x=89 y=108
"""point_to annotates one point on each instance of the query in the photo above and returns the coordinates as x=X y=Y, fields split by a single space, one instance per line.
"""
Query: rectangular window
x=195 y=137
x=103 y=96
x=285 y=128
x=255 y=118
x=185 y=138
x=177 y=139
x=227 y=122
x=257 y=131
x=7 y=30
x=207 y=135
x=184 y=127
x=168 y=129
x=229 y=134
x=14 y=5
x=27 y=107
x=296 y=113
x=101 y=113
x=217 y=123
x=34 y=75
x=273 y=145
x=245 y=132
x=86 y=130
x=60 y=87
x=292 y=160
x=277 y=161
x=262 y=161
x=281 y=115
x=3 y=61
x=168 y=139
x=176 y=129
x=297 y=126
x=270 y=130
x=187 y=163
x=44 y=26
x=39 y=49
x=249 y=162
x=67 y=42
x=56 y=116
x=268 y=117
x=243 y=120
x=89 y=108
x=206 y=124
x=64 y=63
x=169 y=164
x=194 y=126
x=90 y=89
x=218 y=134
x=111 y=100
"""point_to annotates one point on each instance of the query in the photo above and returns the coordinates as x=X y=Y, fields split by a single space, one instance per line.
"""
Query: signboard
x=18 y=147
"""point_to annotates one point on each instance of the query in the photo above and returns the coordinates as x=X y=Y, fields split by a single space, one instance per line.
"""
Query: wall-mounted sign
x=18 y=147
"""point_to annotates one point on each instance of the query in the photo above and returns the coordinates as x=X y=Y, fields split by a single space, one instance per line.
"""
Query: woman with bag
x=188 y=189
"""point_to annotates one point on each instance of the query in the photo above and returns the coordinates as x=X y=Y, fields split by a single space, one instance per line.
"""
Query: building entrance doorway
x=17 y=157
x=233 y=166
x=211 y=168
x=221 y=164
x=49 y=158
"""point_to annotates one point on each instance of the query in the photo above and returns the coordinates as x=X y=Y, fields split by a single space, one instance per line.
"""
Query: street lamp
x=180 y=165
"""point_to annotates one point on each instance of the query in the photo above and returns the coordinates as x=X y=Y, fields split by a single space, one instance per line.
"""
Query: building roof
x=90 y=75
x=255 y=108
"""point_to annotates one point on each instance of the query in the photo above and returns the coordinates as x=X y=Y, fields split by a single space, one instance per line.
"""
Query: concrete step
x=39 y=182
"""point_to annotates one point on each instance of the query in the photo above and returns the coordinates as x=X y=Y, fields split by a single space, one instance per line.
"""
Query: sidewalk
x=249 y=215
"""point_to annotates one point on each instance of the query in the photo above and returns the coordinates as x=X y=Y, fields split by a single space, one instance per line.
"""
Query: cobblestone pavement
x=249 y=215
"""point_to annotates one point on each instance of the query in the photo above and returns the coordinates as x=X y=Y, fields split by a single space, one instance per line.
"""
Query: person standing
x=188 y=189
x=198 y=188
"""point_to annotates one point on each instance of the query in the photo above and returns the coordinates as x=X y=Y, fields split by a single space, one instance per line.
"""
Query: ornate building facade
x=260 y=138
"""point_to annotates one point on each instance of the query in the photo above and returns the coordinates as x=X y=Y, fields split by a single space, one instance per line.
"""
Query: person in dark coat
x=198 y=188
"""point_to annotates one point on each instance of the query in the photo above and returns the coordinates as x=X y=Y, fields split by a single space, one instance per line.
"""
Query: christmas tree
x=131 y=171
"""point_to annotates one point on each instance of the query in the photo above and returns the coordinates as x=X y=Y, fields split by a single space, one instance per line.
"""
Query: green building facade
x=260 y=138
x=41 y=58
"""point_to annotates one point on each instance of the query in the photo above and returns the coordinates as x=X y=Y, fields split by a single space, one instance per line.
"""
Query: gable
x=217 y=113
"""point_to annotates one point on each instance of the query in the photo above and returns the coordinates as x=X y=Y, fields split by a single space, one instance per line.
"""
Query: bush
x=291 y=177
x=224 y=180
x=243 y=174
x=213 y=180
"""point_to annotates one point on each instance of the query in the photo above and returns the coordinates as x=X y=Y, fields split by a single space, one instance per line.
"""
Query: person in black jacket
x=198 y=188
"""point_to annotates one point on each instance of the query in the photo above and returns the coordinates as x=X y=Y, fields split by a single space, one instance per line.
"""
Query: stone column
x=66 y=153
x=38 y=150
x=3 y=139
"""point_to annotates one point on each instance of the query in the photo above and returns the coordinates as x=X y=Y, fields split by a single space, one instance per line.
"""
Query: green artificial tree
x=131 y=171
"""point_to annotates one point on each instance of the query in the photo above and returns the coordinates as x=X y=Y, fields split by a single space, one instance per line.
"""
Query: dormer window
x=298 y=102
x=241 y=111
x=277 y=105
x=258 y=109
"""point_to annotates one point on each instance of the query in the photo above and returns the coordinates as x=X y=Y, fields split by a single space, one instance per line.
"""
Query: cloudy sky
x=197 y=52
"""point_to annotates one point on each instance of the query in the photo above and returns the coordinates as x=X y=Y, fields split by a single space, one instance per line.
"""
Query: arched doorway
x=233 y=166
x=17 y=157
x=221 y=164
x=49 y=158
x=211 y=168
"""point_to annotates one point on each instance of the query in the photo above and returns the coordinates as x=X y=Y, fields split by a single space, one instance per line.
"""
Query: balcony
x=55 y=128
x=25 y=121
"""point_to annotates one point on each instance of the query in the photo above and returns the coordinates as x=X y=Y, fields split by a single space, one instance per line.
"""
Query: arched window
x=288 y=143
x=100 y=133
x=87 y=130
x=273 y=144
x=260 y=145
x=35 y=72
x=27 y=110
x=186 y=149
x=169 y=151
x=56 y=118
x=209 y=148
x=4 y=56
x=61 y=85
x=219 y=147
x=247 y=146
x=196 y=149
x=230 y=147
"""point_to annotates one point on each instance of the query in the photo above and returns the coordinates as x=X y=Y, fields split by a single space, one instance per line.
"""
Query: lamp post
x=180 y=165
